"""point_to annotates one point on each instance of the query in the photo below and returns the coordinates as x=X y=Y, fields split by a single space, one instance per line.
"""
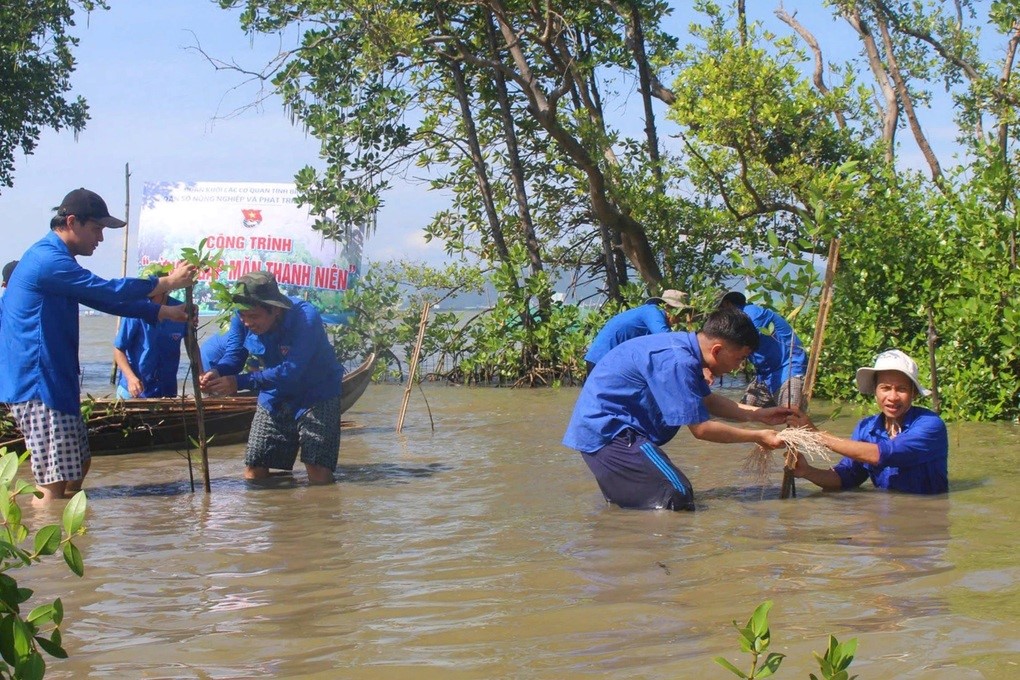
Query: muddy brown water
x=484 y=550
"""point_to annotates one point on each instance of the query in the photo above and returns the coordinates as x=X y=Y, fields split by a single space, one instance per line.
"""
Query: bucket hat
x=670 y=298
x=889 y=360
x=259 y=288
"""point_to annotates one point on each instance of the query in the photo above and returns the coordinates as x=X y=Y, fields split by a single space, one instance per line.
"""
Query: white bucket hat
x=889 y=360
x=671 y=298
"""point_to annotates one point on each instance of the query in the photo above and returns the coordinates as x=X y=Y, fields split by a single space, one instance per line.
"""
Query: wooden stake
x=824 y=303
x=413 y=368
x=789 y=486
x=123 y=262
x=195 y=357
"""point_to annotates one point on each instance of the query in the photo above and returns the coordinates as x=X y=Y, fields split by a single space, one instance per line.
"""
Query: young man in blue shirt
x=644 y=319
x=8 y=270
x=39 y=335
x=902 y=448
x=148 y=356
x=299 y=390
x=780 y=361
x=644 y=390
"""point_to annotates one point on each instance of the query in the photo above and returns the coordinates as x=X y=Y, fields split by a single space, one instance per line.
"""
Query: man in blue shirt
x=902 y=448
x=8 y=270
x=644 y=390
x=299 y=390
x=149 y=356
x=780 y=362
x=39 y=335
x=645 y=319
x=213 y=349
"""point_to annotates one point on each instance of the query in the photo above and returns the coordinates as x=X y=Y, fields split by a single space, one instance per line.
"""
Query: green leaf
x=73 y=558
x=74 y=513
x=759 y=623
x=7 y=639
x=730 y=667
x=58 y=614
x=8 y=467
x=40 y=614
x=771 y=665
x=50 y=647
x=32 y=668
x=47 y=540
x=22 y=639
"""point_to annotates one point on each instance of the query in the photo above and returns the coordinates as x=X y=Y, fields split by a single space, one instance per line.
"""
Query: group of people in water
x=645 y=380
x=299 y=378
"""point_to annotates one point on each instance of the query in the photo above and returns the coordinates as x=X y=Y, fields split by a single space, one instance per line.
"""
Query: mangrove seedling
x=24 y=636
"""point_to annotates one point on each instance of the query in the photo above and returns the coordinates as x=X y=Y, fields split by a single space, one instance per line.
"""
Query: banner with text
x=258 y=226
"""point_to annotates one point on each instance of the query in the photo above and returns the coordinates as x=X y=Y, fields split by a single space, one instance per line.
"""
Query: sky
x=164 y=110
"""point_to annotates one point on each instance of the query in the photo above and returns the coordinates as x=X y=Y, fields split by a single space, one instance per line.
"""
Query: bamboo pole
x=825 y=302
x=195 y=357
x=413 y=368
x=789 y=487
x=124 y=259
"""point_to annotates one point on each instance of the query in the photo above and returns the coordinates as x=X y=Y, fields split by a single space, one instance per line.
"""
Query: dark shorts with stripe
x=275 y=438
x=634 y=473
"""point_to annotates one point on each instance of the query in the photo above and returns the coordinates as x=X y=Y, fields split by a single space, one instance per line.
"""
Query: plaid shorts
x=791 y=392
x=59 y=441
x=275 y=438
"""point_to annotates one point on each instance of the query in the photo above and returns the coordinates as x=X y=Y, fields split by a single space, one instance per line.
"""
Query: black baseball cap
x=88 y=205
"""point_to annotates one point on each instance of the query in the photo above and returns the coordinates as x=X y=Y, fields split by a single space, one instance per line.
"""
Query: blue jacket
x=773 y=365
x=916 y=461
x=652 y=385
x=646 y=319
x=154 y=352
x=39 y=334
x=301 y=366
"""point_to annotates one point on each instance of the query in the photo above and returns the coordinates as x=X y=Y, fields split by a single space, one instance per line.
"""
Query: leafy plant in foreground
x=22 y=636
x=755 y=638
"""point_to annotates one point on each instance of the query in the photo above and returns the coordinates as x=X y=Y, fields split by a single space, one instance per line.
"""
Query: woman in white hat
x=903 y=447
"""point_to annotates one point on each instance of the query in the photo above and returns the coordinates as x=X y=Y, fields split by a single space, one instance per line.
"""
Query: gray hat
x=889 y=360
x=88 y=205
x=671 y=298
x=259 y=288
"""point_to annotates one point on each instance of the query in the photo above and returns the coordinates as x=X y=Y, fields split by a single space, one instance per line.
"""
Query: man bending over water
x=299 y=390
x=642 y=392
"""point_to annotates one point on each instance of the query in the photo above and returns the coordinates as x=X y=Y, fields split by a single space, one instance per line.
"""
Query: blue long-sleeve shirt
x=915 y=461
x=645 y=319
x=773 y=365
x=39 y=334
x=652 y=385
x=154 y=353
x=301 y=366
x=769 y=323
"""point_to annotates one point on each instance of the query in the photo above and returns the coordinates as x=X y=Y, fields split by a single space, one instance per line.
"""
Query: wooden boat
x=129 y=426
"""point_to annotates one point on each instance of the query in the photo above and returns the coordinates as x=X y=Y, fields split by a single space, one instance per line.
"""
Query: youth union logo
x=252 y=217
